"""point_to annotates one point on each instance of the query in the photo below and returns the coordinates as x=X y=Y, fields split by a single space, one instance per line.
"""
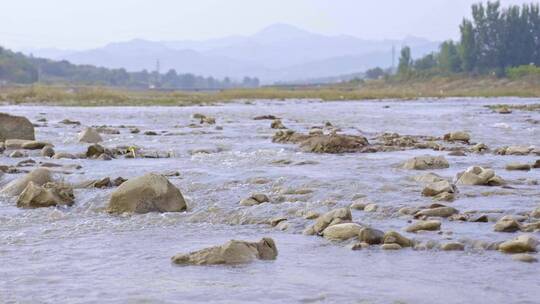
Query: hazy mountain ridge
x=278 y=53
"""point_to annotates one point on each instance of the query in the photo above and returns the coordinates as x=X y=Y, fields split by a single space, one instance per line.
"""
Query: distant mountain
x=277 y=53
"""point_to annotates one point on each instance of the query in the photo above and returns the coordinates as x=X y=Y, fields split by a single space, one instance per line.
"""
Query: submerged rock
x=428 y=178
x=230 y=253
x=426 y=163
x=90 y=135
x=147 y=193
x=15 y=127
x=38 y=177
x=48 y=195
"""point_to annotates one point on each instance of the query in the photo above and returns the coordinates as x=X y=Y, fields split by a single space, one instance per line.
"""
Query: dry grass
x=436 y=87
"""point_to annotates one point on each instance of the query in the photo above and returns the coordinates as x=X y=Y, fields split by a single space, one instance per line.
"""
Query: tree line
x=21 y=69
x=499 y=41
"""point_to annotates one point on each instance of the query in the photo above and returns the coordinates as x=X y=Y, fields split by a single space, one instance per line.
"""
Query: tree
x=405 y=61
x=449 y=60
x=425 y=63
x=467 y=46
x=375 y=73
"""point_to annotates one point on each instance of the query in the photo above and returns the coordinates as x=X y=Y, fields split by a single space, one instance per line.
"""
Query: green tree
x=405 y=61
x=449 y=59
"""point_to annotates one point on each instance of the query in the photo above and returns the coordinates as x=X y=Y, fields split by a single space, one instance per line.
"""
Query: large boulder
x=39 y=177
x=424 y=226
x=48 y=195
x=342 y=232
x=90 y=135
x=426 y=163
x=334 y=143
x=334 y=217
x=371 y=236
x=507 y=224
x=15 y=127
x=458 y=136
x=393 y=237
x=442 y=211
x=147 y=193
x=478 y=176
x=230 y=253
x=439 y=187
x=523 y=243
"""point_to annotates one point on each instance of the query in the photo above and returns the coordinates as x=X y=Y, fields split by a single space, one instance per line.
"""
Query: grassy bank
x=378 y=89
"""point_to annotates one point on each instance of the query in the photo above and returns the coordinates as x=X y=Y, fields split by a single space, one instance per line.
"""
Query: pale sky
x=80 y=24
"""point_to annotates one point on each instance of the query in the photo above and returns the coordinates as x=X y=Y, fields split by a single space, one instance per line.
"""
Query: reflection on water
x=81 y=255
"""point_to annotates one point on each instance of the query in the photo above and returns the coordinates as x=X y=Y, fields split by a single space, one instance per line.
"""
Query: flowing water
x=81 y=254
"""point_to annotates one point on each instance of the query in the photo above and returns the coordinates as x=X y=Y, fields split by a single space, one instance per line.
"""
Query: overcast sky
x=80 y=24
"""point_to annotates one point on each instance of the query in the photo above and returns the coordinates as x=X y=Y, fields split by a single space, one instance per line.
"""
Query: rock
x=444 y=196
x=458 y=136
x=479 y=148
x=277 y=124
x=16 y=154
x=61 y=155
x=457 y=153
x=94 y=151
x=150 y=133
x=48 y=195
x=134 y=131
x=535 y=213
x=437 y=188
x=147 y=193
x=524 y=257
x=428 y=178
x=26 y=163
x=232 y=252
x=90 y=135
x=70 y=122
x=391 y=246
x=265 y=117
x=371 y=236
x=358 y=246
x=15 y=143
x=507 y=224
x=426 y=163
x=39 y=177
x=334 y=217
x=371 y=208
x=342 y=232
x=436 y=212
x=15 y=127
x=503 y=110
x=452 y=246
x=311 y=215
x=478 y=176
x=393 y=237
x=424 y=225
x=515 y=150
x=316 y=131
x=518 y=166
x=358 y=206
x=47 y=151
x=333 y=143
x=521 y=244
x=255 y=199
x=536 y=164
